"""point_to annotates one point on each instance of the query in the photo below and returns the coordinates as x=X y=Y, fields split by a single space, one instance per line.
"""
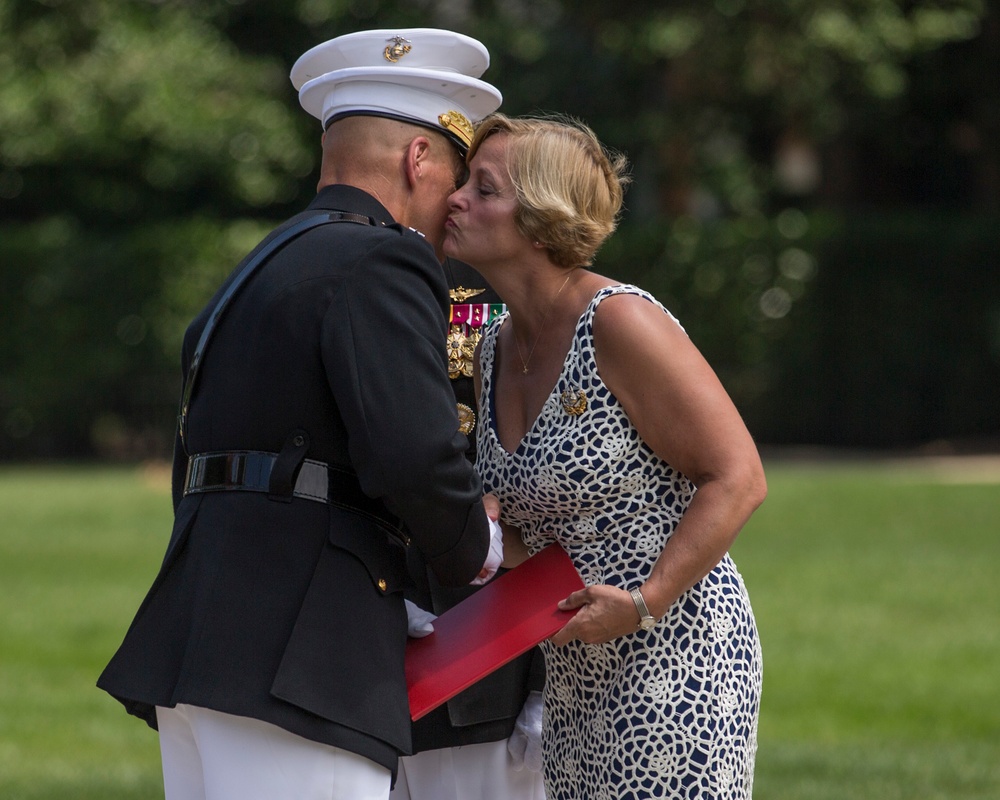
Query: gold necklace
x=541 y=329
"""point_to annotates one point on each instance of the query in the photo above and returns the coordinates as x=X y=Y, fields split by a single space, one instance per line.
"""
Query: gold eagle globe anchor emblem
x=396 y=49
x=574 y=402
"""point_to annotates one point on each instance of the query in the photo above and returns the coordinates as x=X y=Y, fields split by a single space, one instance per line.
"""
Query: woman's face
x=480 y=229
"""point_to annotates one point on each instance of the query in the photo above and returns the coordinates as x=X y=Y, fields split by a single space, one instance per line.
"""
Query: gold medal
x=466 y=322
x=466 y=419
x=461 y=349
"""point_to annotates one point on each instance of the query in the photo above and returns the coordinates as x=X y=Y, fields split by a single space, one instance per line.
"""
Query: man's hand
x=525 y=743
x=418 y=621
x=495 y=556
x=492 y=506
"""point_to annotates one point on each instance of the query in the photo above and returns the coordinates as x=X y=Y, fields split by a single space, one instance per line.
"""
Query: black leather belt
x=250 y=471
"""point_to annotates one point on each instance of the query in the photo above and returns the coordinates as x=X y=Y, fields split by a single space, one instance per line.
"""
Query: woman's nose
x=455 y=198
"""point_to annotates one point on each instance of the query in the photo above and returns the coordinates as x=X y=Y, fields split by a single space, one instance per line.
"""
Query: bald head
x=359 y=149
x=410 y=169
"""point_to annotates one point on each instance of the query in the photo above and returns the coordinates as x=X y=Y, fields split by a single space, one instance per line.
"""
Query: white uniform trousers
x=470 y=772
x=208 y=755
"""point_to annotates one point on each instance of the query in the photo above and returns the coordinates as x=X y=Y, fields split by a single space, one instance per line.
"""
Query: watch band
x=640 y=606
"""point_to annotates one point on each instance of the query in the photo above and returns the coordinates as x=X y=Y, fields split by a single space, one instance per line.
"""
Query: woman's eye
x=485 y=190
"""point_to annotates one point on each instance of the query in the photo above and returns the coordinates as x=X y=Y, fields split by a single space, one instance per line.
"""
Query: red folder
x=505 y=618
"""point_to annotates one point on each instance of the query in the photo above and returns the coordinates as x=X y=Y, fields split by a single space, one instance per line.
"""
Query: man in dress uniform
x=485 y=742
x=318 y=435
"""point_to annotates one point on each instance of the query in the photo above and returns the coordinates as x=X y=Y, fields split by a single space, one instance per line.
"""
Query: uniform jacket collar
x=341 y=197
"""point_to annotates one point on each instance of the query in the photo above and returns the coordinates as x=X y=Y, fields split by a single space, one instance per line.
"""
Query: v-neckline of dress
x=573 y=345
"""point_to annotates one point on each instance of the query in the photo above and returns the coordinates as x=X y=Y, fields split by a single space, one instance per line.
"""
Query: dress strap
x=587 y=320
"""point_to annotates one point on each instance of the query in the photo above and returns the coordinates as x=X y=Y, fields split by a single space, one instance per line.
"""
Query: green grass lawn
x=877 y=598
x=874 y=589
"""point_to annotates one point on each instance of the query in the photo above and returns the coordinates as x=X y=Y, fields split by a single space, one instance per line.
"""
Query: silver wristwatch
x=646 y=620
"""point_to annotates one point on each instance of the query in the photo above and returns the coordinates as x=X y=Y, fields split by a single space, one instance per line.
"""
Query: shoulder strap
x=237 y=283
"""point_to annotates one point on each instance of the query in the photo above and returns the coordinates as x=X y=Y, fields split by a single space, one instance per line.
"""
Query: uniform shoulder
x=372 y=234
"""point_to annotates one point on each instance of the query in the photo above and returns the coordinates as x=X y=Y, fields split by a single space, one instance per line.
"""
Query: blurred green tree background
x=816 y=193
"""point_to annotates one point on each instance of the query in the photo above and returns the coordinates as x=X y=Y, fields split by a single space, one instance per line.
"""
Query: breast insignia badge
x=460 y=294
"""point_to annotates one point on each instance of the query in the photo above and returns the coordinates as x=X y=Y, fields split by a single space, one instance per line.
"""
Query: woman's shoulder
x=637 y=341
x=626 y=304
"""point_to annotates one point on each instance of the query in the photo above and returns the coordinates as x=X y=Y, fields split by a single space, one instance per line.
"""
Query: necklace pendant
x=541 y=328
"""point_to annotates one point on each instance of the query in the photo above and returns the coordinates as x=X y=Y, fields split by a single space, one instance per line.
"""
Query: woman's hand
x=606 y=612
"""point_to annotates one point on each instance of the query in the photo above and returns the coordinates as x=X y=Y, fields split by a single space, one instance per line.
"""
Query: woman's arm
x=681 y=410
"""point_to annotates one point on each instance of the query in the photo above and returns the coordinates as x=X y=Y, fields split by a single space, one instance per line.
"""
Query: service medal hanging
x=465 y=329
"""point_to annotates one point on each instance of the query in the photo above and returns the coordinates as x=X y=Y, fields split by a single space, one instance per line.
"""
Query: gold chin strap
x=458 y=124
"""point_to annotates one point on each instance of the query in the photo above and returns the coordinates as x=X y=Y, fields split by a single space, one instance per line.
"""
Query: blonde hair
x=569 y=186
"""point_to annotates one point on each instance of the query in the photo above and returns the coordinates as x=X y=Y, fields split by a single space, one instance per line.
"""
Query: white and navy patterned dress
x=669 y=713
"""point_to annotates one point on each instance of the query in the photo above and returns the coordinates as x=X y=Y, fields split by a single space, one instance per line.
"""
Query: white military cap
x=427 y=48
x=421 y=75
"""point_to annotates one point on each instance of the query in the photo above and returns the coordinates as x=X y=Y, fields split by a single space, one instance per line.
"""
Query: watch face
x=647 y=623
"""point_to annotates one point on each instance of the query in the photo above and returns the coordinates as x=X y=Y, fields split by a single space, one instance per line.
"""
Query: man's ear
x=415 y=162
